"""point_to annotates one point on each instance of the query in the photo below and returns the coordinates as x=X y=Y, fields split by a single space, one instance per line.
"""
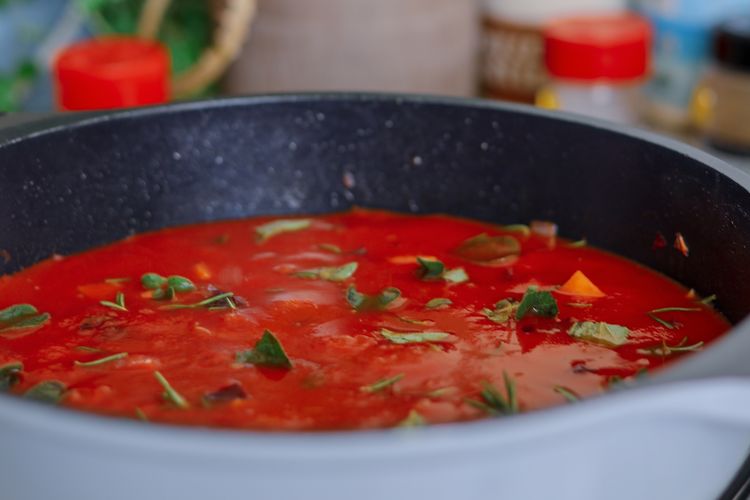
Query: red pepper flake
x=659 y=242
x=680 y=244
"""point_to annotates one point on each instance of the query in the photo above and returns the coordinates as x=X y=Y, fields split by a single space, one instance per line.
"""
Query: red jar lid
x=111 y=72
x=612 y=47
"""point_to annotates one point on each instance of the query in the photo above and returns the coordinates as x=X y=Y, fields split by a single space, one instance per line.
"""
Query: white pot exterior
x=672 y=441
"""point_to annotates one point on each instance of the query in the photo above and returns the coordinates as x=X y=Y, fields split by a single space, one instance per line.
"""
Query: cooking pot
x=75 y=182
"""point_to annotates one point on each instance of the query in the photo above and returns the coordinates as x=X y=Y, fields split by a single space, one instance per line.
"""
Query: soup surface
x=362 y=319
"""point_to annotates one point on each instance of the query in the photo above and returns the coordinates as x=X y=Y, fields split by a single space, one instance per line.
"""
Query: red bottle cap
x=613 y=47
x=111 y=72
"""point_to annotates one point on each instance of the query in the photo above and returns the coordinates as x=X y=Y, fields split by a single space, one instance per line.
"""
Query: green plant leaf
x=270 y=229
x=537 y=303
x=267 y=352
x=49 y=391
x=170 y=394
x=334 y=274
x=438 y=303
x=600 y=332
x=381 y=384
x=10 y=374
x=417 y=337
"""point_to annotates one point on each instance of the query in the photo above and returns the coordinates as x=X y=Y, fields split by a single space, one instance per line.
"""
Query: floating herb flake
x=211 y=303
x=334 y=274
x=381 y=384
x=49 y=391
x=118 y=304
x=267 y=352
x=578 y=244
x=170 y=394
x=362 y=302
x=101 y=361
x=438 y=303
x=153 y=281
x=267 y=231
x=568 y=394
x=430 y=269
x=600 y=332
x=21 y=316
x=502 y=312
x=493 y=402
x=488 y=250
x=417 y=337
x=180 y=284
x=10 y=374
x=413 y=419
x=664 y=349
x=328 y=247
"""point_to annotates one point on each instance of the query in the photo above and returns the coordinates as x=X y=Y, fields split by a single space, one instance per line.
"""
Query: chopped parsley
x=267 y=352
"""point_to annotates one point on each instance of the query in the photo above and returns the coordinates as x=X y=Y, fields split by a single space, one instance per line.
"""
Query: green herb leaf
x=49 y=391
x=568 y=394
x=118 y=304
x=675 y=309
x=417 y=337
x=169 y=393
x=578 y=244
x=87 y=349
x=21 y=316
x=271 y=229
x=153 y=281
x=10 y=374
x=141 y=415
x=361 y=302
x=101 y=361
x=580 y=305
x=496 y=403
x=600 y=332
x=381 y=384
x=267 y=352
x=328 y=247
x=708 y=300
x=211 y=302
x=502 y=312
x=538 y=303
x=430 y=269
x=456 y=275
x=489 y=250
x=438 y=303
x=180 y=284
x=413 y=419
x=664 y=349
x=412 y=321
x=334 y=274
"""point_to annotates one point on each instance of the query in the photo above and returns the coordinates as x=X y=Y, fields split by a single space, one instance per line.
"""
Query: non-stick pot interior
x=78 y=186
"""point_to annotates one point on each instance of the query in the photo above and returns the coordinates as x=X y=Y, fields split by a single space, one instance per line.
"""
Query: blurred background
x=678 y=66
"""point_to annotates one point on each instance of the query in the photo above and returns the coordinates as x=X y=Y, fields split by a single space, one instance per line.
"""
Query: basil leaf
x=10 y=374
x=430 y=269
x=537 y=303
x=438 y=303
x=381 y=384
x=269 y=230
x=152 y=281
x=170 y=394
x=484 y=249
x=21 y=316
x=16 y=312
x=417 y=337
x=329 y=273
x=413 y=419
x=180 y=284
x=361 y=302
x=101 y=361
x=49 y=391
x=163 y=294
x=600 y=332
x=267 y=352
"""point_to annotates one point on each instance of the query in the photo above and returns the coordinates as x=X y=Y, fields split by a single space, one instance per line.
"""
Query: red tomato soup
x=364 y=319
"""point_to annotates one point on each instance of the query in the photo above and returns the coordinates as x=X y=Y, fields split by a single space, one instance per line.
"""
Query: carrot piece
x=409 y=259
x=202 y=271
x=99 y=291
x=580 y=285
